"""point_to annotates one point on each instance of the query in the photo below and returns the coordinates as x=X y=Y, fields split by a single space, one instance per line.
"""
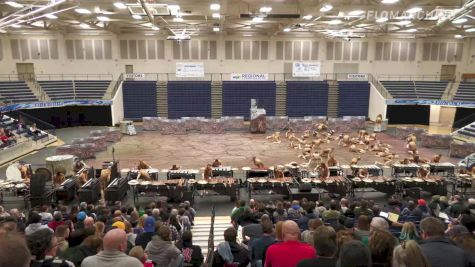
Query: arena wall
x=78 y=54
x=117 y=107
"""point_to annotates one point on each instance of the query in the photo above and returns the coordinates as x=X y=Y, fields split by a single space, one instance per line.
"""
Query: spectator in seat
x=379 y=223
x=280 y=214
x=229 y=253
x=456 y=207
x=14 y=251
x=34 y=130
x=149 y=230
x=62 y=233
x=325 y=244
x=381 y=244
x=409 y=232
x=89 y=247
x=57 y=221
x=162 y=251
x=192 y=254
x=332 y=213
x=407 y=211
x=307 y=235
x=112 y=255
x=409 y=254
x=291 y=251
x=437 y=248
x=35 y=224
x=43 y=244
x=259 y=246
x=253 y=230
x=362 y=230
x=295 y=211
x=354 y=254
x=363 y=209
x=309 y=214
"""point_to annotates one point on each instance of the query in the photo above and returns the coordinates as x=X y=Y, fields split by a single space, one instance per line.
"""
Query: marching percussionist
x=175 y=167
x=208 y=172
x=216 y=163
x=279 y=172
x=422 y=172
x=323 y=171
x=332 y=162
x=257 y=162
x=25 y=171
x=142 y=165
x=104 y=179
x=436 y=158
x=78 y=165
x=58 y=179
x=82 y=179
x=143 y=170
x=363 y=173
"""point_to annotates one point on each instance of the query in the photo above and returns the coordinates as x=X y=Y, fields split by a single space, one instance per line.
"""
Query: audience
x=43 y=247
x=192 y=254
x=354 y=254
x=230 y=253
x=409 y=254
x=161 y=249
x=259 y=246
x=14 y=251
x=325 y=244
x=381 y=244
x=307 y=235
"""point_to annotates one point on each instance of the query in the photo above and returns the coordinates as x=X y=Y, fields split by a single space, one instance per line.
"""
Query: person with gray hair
x=114 y=245
x=379 y=223
x=437 y=248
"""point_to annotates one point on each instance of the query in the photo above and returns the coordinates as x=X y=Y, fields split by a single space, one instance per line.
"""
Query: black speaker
x=307 y=187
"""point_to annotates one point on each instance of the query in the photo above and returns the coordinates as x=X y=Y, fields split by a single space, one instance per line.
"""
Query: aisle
x=202 y=227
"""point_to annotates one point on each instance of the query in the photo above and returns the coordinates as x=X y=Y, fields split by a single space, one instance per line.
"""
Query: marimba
x=445 y=168
x=405 y=169
x=90 y=192
x=436 y=185
x=384 y=184
x=67 y=190
x=226 y=186
x=267 y=185
x=373 y=170
x=116 y=190
x=333 y=184
x=185 y=174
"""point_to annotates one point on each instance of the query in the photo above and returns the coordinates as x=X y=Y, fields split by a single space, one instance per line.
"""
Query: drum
x=153 y=174
x=61 y=163
x=124 y=172
x=13 y=173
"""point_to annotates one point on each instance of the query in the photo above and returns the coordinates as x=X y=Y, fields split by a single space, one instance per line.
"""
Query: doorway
x=447 y=73
x=25 y=71
x=128 y=70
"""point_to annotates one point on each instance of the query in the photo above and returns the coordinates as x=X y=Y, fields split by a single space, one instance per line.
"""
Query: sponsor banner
x=55 y=104
x=430 y=102
x=249 y=76
x=190 y=69
x=357 y=76
x=306 y=69
x=135 y=75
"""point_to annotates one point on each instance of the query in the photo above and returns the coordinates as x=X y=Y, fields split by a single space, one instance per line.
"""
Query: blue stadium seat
x=307 y=98
x=465 y=92
x=353 y=98
x=430 y=90
x=16 y=92
x=401 y=89
x=140 y=99
x=237 y=97
x=189 y=99
x=58 y=90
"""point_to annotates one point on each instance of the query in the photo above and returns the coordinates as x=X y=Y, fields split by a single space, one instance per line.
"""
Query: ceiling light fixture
x=334 y=22
x=82 y=11
x=3 y=31
x=414 y=10
x=215 y=6
x=382 y=20
x=265 y=9
x=411 y=30
x=51 y=16
x=248 y=27
x=257 y=19
x=326 y=8
x=17 y=26
x=178 y=19
x=173 y=7
x=216 y=29
x=458 y=36
x=84 y=26
x=389 y=2
x=287 y=29
x=103 y=18
x=459 y=21
x=470 y=30
x=149 y=34
x=14 y=4
x=120 y=5
x=356 y=13
x=403 y=22
x=136 y=16
x=307 y=17
x=216 y=15
x=155 y=28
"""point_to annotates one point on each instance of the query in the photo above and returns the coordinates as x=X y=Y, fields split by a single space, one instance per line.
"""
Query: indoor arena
x=237 y=133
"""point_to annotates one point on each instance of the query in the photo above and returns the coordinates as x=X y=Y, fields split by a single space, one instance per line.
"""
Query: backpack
x=187 y=252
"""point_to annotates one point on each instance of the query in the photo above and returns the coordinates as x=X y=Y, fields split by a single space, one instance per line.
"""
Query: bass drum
x=13 y=173
x=61 y=163
x=44 y=174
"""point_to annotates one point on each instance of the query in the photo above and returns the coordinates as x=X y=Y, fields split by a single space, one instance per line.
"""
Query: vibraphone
x=67 y=190
x=384 y=184
x=373 y=170
x=445 y=169
x=172 y=189
x=90 y=192
x=268 y=186
x=223 y=172
x=226 y=186
x=116 y=190
x=405 y=169
x=254 y=173
x=435 y=185
x=179 y=174
x=334 y=171
x=9 y=191
x=333 y=184
x=463 y=183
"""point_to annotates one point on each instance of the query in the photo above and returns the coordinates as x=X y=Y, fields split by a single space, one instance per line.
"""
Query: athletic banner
x=306 y=69
x=135 y=75
x=430 y=102
x=357 y=76
x=190 y=69
x=249 y=76
x=55 y=104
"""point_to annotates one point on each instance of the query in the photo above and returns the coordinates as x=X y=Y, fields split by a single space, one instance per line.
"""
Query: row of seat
x=465 y=92
x=416 y=89
x=16 y=92
x=78 y=89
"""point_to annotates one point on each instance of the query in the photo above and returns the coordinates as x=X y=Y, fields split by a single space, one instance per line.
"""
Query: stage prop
x=258 y=118
x=436 y=140
x=277 y=123
x=461 y=150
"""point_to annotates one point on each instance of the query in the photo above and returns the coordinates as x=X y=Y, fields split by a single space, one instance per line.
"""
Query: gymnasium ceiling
x=293 y=18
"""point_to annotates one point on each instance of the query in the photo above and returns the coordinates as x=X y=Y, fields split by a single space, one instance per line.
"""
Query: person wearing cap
x=119 y=225
x=456 y=207
x=149 y=230
x=354 y=254
x=421 y=211
x=81 y=216
x=437 y=248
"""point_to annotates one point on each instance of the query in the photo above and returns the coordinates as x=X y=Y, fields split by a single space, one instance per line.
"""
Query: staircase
x=332 y=99
x=201 y=231
x=216 y=99
x=37 y=90
x=108 y=95
x=162 y=99
x=465 y=134
x=449 y=92
x=281 y=99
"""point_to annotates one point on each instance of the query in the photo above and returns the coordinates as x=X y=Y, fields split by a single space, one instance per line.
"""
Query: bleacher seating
x=307 y=98
x=58 y=90
x=430 y=90
x=78 y=89
x=465 y=92
x=140 y=99
x=87 y=89
x=401 y=89
x=466 y=133
x=16 y=92
x=189 y=99
x=237 y=97
x=353 y=98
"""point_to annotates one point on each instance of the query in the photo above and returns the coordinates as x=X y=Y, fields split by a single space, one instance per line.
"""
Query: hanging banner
x=55 y=104
x=249 y=76
x=135 y=75
x=306 y=69
x=357 y=76
x=430 y=102
x=190 y=69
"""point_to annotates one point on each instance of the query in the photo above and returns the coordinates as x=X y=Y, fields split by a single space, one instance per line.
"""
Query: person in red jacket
x=291 y=251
